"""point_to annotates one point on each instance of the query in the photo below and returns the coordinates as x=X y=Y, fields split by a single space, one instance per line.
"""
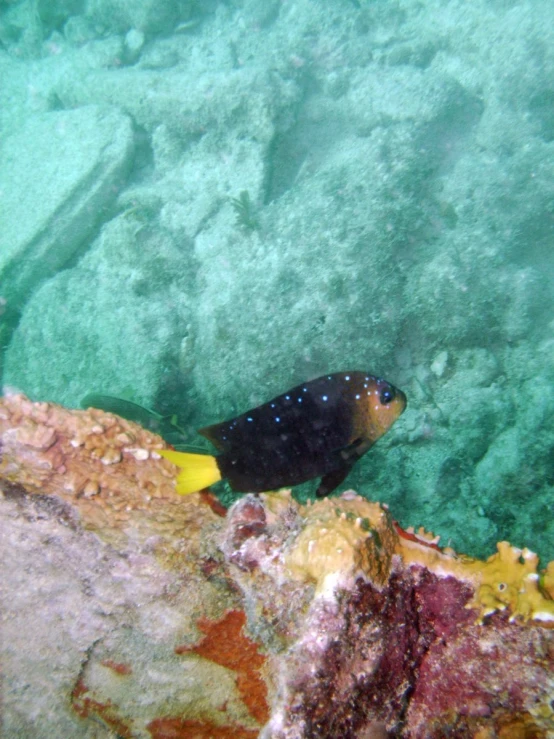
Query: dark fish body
x=319 y=428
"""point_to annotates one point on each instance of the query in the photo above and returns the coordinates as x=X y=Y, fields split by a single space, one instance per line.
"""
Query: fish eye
x=387 y=395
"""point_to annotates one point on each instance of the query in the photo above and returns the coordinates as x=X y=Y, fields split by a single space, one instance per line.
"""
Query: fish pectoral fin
x=332 y=480
x=354 y=451
x=349 y=456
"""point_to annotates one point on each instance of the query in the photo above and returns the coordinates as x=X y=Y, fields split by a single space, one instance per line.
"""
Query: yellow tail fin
x=198 y=471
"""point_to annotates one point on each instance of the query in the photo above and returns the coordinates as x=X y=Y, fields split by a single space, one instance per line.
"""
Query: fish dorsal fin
x=213 y=435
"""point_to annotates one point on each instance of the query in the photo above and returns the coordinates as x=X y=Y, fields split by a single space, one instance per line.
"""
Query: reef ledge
x=130 y=610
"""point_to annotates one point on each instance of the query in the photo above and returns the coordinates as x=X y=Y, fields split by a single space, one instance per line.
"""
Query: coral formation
x=340 y=542
x=110 y=580
x=395 y=634
x=279 y=620
x=107 y=467
x=507 y=580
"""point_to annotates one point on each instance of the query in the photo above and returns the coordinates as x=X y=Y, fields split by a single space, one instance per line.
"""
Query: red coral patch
x=177 y=728
x=118 y=667
x=85 y=707
x=226 y=645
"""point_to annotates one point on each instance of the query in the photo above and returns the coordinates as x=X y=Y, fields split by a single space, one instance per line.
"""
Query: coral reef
x=128 y=609
x=109 y=581
x=103 y=464
x=387 y=632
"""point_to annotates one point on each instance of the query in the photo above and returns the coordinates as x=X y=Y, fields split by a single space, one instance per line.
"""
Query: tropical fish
x=166 y=426
x=317 y=429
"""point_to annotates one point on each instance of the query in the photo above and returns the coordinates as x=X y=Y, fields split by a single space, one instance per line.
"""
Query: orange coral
x=226 y=645
x=107 y=468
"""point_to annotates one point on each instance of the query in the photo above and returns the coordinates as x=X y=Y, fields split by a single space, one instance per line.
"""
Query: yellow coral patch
x=548 y=579
x=343 y=539
x=509 y=579
x=348 y=537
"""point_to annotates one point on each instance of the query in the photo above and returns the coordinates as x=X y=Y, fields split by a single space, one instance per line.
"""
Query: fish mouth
x=403 y=400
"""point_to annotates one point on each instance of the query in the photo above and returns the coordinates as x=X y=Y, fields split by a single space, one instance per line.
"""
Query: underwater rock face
x=384 y=634
x=47 y=215
x=130 y=610
x=109 y=584
x=154 y=16
x=130 y=286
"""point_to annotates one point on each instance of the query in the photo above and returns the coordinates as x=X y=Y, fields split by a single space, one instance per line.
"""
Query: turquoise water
x=205 y=203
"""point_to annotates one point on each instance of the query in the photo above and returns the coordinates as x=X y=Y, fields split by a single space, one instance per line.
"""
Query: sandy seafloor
x=398 y=163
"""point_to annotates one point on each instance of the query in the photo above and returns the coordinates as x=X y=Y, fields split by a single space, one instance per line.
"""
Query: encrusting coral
x=106 y=467
x=278 y=620
x=384 y=630
x=508 y=580
x=359 y=538
x=340 y=542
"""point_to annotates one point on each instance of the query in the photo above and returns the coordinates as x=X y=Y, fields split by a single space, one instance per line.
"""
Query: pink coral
x=402 y=645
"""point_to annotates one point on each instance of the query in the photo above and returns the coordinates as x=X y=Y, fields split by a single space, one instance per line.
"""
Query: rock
x=53 y=188
x=152 y=16
x=134 y=41
x=119 y=289
x=117 y=604
x=157 y=617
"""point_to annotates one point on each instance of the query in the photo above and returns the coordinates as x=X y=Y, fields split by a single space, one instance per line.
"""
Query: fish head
x=384 y=403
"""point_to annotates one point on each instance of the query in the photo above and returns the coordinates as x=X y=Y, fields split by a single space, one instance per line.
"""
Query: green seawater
x=205 y=203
